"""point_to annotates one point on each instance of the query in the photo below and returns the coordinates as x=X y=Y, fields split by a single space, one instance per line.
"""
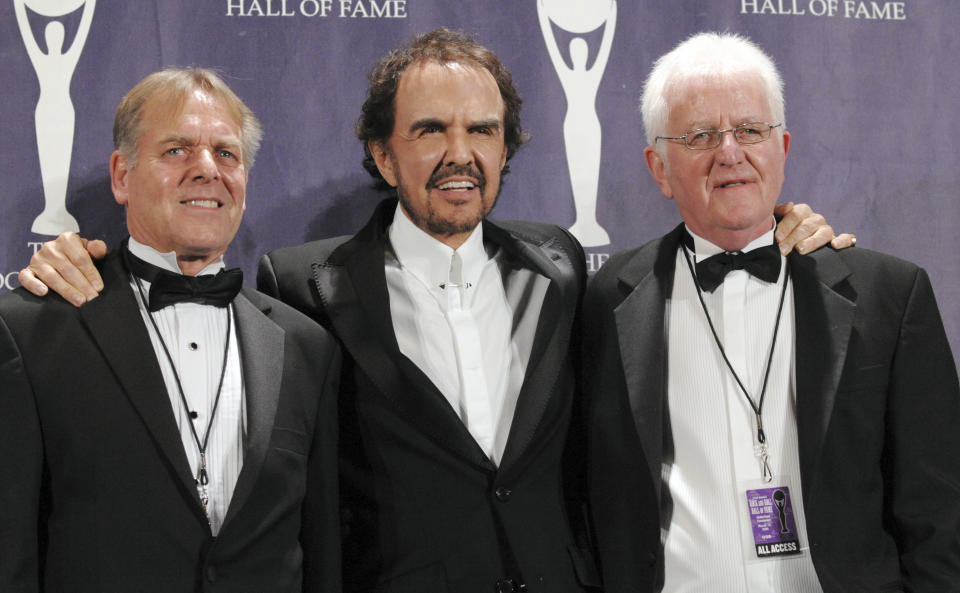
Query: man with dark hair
x=178 y=433
x=457 y=390
x=441 y=46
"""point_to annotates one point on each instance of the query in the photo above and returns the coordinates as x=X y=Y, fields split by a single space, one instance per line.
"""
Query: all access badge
x=772 y=522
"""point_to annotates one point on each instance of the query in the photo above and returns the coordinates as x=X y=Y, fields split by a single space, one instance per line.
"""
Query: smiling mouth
x=202 y=203
x=456 y=186
x=732 y=184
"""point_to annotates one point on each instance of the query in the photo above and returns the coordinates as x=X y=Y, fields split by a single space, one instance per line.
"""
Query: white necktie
x=475 y=399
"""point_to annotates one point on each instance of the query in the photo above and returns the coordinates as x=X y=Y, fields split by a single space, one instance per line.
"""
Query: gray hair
x=706 y=56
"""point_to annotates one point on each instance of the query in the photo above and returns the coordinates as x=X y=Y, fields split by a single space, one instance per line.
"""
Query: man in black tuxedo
x=178 y=433
x=761 y=423
x=458 y=380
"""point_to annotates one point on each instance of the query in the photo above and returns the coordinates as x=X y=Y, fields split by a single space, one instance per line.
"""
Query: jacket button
x=212 y=574
x=503 y=494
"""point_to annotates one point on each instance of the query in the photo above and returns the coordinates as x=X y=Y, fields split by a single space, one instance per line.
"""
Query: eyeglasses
x=708 y=138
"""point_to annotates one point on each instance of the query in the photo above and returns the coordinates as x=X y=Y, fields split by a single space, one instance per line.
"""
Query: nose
x=459 y=149
x=730 y=152
x=204 y=165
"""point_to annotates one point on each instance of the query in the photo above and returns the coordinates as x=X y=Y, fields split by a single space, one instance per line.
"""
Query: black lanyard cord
x=757 y=407
x=202 y=479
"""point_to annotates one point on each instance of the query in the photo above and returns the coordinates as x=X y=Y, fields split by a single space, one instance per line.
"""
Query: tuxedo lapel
x=553 y=319
x=261 y=355
x=824 y=310
x=641 y=335
x=113 y=320
x=353 y=286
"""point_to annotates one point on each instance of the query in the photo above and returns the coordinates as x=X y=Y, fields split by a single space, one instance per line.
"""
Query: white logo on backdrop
x=581 y=126
x=54 y=116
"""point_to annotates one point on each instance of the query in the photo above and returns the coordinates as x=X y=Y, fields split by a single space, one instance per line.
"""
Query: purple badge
x=773 y=522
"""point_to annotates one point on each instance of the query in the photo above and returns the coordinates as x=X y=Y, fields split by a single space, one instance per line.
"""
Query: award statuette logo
x=581 y=126
x=54 y=116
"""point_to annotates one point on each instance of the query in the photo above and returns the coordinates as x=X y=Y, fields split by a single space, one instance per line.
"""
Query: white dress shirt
x=714 y=431
x=463 y=338
x=195 y=336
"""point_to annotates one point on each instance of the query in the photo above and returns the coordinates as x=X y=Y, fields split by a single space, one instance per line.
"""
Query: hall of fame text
x=345 y=9
x=868 y=10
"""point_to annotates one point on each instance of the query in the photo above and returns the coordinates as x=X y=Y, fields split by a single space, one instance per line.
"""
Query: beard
x=428 y=219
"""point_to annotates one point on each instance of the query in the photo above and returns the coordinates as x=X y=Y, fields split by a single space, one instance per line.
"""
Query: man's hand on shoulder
x=804 y=230
x=65 y=266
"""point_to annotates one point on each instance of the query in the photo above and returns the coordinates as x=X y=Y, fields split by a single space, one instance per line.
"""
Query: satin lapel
x=552 y=338
x=261 y=356
x=823 y=318
x=354 y=292
x=114 y=322
x=641 y=335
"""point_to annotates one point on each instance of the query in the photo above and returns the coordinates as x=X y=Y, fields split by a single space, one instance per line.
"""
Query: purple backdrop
x=870 y=87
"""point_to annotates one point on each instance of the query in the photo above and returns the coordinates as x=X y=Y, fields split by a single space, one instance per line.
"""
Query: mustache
x=442 y=172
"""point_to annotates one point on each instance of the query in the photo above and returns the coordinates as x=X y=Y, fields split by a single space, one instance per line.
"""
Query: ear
x=243 y=207
x=658 y=169
x=381 y=156
x=119 y=167
x=786 y=144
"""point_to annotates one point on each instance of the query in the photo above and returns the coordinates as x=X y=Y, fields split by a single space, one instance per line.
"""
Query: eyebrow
x=429 y=122
x=487 y=123
x=177 y=139
x=228 y=142
x=704 y=125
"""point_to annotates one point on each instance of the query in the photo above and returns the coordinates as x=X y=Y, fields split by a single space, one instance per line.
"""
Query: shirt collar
x=428 y=258
x=167 y=261
x=705 y=249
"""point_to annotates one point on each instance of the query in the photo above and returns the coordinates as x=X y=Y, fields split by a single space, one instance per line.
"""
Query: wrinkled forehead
x=169 y=105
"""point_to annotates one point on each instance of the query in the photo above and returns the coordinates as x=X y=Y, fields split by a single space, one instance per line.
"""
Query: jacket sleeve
x=21 y=466
x=624 y=512
x=320 y=534
x=922 y=451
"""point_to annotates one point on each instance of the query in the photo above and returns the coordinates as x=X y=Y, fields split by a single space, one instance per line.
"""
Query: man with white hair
x=760 y=422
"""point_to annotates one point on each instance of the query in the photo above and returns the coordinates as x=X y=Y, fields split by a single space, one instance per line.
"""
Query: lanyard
x=761 y=448
x=202 y=479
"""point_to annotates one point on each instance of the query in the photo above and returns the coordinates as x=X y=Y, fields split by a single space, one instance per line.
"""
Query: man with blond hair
x=178 y=433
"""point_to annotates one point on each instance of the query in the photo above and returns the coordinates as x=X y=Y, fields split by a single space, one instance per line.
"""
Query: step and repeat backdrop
x=872 y=88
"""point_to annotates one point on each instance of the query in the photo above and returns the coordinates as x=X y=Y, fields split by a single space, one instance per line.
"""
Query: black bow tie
x=763 y=262
x=167 y=288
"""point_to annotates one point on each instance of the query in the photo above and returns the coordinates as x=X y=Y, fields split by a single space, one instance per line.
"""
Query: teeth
x=203 y=203
x=456 y=185
x=731 y=184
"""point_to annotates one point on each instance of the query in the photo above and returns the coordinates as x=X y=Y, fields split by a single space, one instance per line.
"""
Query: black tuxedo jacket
x=878 y=411
x=423 y=508
x=96 y=494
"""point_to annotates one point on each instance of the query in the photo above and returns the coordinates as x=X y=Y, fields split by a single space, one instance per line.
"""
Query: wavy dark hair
x=442 y=46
